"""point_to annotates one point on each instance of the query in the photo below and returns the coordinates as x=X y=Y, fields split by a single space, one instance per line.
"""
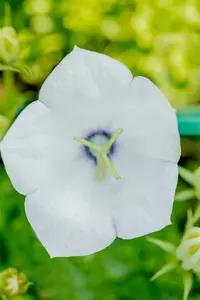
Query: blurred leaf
x=188 y=282
x=4 y=123
x=8 y=68
x=187 y=175
x=166 y=246
x=197 y=182
x=185 y=195
x=164 y=270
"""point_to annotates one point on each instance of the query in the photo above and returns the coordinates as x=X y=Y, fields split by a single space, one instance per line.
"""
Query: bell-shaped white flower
x=73 y=200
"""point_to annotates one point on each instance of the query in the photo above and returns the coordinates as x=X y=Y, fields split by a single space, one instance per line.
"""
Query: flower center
x=100 y=138
x=99 y=146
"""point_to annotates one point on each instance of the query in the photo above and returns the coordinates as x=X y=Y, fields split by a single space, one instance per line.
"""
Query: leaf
x=197 y=182
x=190 y=221
x=8 y=68
x=4 y=123
x=166 y=246
x=188 y=282
x=186 y=175
x=185 y=195
x=164 y=270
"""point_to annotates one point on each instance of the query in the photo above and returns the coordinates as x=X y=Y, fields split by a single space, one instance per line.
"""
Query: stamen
x=103 y=158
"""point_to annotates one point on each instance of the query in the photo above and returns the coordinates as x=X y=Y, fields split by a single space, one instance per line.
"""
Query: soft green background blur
x=159 y=39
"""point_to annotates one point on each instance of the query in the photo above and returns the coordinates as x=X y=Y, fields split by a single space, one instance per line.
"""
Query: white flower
x=90 y=95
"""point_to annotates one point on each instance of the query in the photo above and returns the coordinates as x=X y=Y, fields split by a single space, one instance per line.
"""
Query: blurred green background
x=159 y=39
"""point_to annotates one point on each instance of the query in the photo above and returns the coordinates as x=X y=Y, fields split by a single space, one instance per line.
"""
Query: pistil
x=103 y=159
x=101 y=168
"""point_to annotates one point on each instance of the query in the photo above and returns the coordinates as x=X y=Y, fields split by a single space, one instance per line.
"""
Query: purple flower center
x=103 y=136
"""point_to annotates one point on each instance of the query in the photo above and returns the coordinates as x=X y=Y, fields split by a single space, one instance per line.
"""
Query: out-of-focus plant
x=153 y=38
x=186 y=255
x=9 y=45
x=13 y=283
x=156 y=39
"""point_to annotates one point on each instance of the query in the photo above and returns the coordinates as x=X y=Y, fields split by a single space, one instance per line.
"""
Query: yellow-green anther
x=112 y=140
x=103 y=158
x=88 y=144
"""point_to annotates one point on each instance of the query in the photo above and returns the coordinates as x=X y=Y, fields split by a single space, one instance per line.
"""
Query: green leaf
x=188 y=282
x=190 y=219
x=7 y=13
x=186 y=175
x=166 y=246
x=4 y=123
x=197 y=182
x=185 y=195
x=164 y=270
x=8 y=68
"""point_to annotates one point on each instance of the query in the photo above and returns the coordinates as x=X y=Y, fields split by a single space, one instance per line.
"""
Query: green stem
x=8 y=88
x=196 y=214
x=192 y=217
x=8 y=80
x=7 y=18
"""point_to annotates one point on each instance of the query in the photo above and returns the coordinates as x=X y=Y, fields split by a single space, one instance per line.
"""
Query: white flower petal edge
x=71 y=213
x=69 y=220
x=26 y=147
x=149 y=122
x=34 y=149
x=85 y=78
x=144 y=205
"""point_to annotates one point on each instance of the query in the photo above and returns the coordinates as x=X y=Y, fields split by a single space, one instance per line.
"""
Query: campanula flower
x=96 y=156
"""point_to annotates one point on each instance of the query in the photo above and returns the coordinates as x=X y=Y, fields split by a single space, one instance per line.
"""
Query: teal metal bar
x=189 y=121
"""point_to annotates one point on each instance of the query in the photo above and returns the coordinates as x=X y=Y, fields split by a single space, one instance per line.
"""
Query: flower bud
x=9 y=45
x=13 y=283
x=188 y=252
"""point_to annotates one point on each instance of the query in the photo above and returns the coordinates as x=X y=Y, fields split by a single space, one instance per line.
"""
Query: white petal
x=84 y=87
x=34 y=149
x=110 y=75
x=144 y=203
x=149 y=122
x=68 y=219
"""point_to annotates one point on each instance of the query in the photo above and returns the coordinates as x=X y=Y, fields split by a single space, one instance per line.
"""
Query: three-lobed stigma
x=103 y=159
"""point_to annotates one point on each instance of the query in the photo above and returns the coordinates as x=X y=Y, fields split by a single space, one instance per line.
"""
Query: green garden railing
x=189 y=121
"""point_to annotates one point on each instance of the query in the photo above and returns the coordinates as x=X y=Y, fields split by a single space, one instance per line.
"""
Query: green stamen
x=103 y=158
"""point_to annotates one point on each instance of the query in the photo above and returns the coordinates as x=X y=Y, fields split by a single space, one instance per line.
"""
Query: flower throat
x=101 y=155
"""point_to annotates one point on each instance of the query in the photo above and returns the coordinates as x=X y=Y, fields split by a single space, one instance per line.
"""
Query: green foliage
x=159 y=39
x=122 y=271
